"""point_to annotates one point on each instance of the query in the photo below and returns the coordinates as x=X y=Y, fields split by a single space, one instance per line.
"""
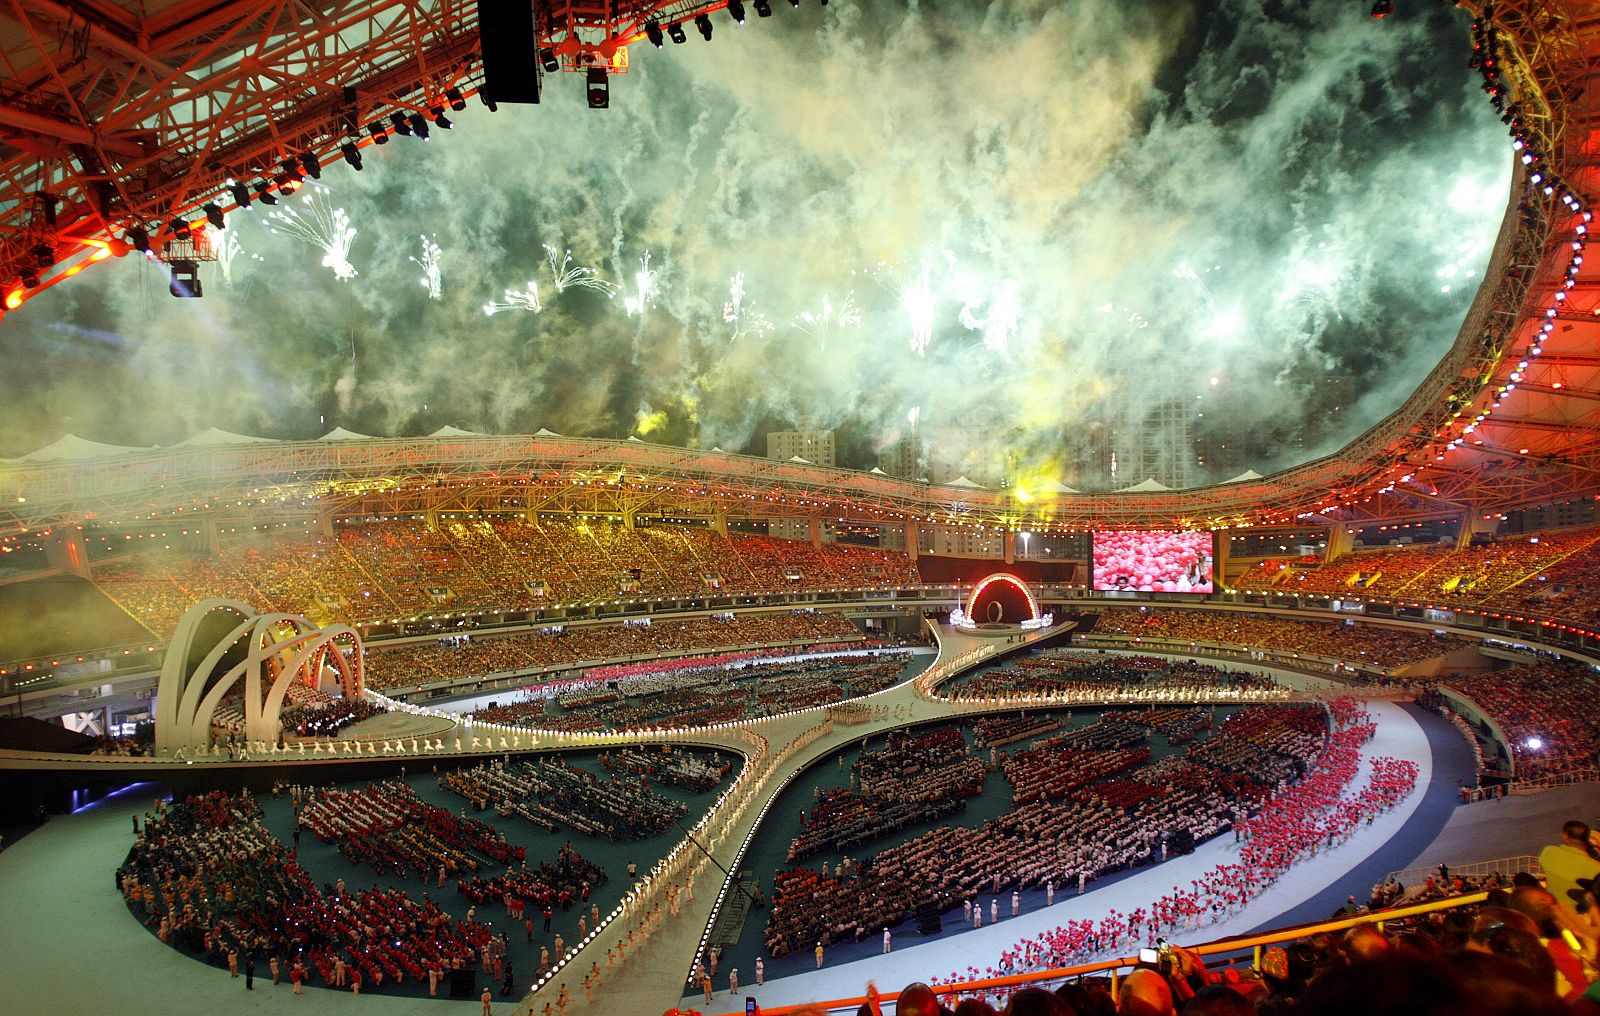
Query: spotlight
x=439 y=117
x=736 y=11
x=213 y=215
x=419 y=125
x=653 y=31
x=312 y=164
x=1382 y=9
x=599 y=89
x=400 y=122
x=547 y=60
x=241 y=194
x=180 y=229
x=291 y=169
x=380 y=136
x=265 y=195
x=138 y=239
x=763 y=9
x=30 y=279
x=704 y=24
x=457 y=103
x=351 y=154
x=675 y=33
x=795 y=4
x=483 y=96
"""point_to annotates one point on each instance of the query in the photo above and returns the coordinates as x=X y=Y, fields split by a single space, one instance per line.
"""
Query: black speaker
x=185 y=279
x=505 y=30
x=928 y=922
x=462 y=982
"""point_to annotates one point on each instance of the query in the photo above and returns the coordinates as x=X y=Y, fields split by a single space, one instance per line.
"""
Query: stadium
x=951 y=699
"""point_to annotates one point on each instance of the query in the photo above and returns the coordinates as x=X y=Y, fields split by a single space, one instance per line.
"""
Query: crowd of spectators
x=1350 y=644
x=327 y=717
x=1118 y=820
x=379 y=570
x=209 y=877
x=1551 y=574
x=415 y=663
x=1548 y=712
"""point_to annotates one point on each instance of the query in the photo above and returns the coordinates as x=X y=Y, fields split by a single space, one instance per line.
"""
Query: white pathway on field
x=1398 y=736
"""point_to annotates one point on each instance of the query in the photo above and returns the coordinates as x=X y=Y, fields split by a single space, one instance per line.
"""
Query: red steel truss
x=118 y=115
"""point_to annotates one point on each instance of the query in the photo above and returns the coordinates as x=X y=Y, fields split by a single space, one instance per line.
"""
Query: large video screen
x=1154 y=562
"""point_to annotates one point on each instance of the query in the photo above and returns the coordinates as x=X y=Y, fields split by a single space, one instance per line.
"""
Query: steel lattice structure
x=118 y=116
x=1510 y=417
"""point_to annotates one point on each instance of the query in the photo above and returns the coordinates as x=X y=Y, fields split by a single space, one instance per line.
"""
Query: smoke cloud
x=1110 y=205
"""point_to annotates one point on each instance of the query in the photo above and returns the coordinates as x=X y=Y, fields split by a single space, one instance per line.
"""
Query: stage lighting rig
x=704 y=24
x=439 y=117
x=599 y=88
x=652 y=31
x=676 y=34
x=380 y=136
x=313 y=165
x=547 y=60
x=214 y=215
x=419 y=125
x=180 y=229
x=138 y=239
x=763 y=8
x=351 y=154
x=401 y=124
x=736 y=11
x=241 y=194
x=457 y=103
x=265 y=196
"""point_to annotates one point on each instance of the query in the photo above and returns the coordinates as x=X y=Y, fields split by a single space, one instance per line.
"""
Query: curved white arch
x=186 y=698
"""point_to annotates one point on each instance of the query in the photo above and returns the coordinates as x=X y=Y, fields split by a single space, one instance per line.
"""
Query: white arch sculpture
x=186 y=699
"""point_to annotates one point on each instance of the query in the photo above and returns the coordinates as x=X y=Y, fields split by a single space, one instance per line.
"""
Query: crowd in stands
x=389 y=828
x=376 y=571
x=1080 y=674
x=1359 y=644
x=555 y=884
x=1118 y=820
x=1553 y=574
x=422 y=663
x=553 y=793
x=1548 y=712
x=209 y=877
x=697 y=693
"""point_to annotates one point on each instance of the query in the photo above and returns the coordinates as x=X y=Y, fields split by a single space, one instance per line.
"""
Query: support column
x=814 y=531
x=213 y=541
x=325 y=523
x=913 y=537
x=1474 y=524
x=1223 y=546
x=719 y=524
x=1008 y=546
x=67 y=552
x=1340 y=542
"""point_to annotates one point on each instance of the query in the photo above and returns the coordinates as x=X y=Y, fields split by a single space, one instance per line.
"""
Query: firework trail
x=322 y=226
x=567 y=276
x=829 y=320
x=917 y=299
x=429 y=261
x=517 y=299
x=645 y=287
x=741 y=314
x=227 y=248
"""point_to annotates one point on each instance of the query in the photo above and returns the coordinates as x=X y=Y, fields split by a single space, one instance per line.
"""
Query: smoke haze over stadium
x=1069 y=204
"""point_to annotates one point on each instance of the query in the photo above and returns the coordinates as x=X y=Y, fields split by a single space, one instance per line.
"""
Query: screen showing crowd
x=1154 y=562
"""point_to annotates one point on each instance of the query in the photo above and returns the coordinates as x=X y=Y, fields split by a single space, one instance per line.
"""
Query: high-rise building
x=808 y=443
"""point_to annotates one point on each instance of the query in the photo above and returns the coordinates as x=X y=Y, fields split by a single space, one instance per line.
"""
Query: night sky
x=1075 y=206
